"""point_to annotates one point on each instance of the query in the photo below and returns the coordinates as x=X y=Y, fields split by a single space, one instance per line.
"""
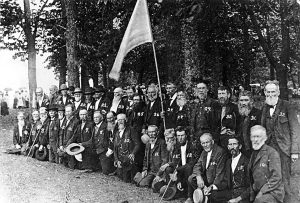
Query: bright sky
x=13 y=73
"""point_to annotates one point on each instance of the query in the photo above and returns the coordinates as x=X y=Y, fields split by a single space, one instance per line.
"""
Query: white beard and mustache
x=245 y=110
x=181 y=102
x=271 y=100
x=110 y=126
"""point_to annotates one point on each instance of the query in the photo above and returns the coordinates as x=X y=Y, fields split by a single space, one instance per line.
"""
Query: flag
x=137 y=32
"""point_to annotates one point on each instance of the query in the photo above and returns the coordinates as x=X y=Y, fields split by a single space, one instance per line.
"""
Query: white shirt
x=151 y=104
x=272 y=110
x=183 y=154
x=64 y=99
x=173 y=98
x=97 y=104
x=88 y=105
x=61 y=121
x=235 y=161
x=41 y=100
x=77 y=104
x=20 y=126
x=208 y=159
x=121 y=132
x=114 y=106
x=152 y=145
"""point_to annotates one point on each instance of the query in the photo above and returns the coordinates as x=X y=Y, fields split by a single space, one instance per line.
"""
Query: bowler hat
x=71 y=88
x=88 y=90
x=52 y=107
x=63 y=87
x=198 y=196
x=41 y=155
x=74 y=149
x=77 y=90
x=168 y=192
x=157 y=185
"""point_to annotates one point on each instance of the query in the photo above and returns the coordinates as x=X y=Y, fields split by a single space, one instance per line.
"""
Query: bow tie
x=271 y=106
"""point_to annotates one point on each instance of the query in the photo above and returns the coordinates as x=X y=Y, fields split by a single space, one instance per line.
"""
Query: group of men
x=231 y=152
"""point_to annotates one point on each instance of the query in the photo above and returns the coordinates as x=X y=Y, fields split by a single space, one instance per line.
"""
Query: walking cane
x=168 y=185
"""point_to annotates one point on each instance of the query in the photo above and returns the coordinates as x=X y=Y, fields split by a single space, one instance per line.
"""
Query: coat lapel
x=277 y=109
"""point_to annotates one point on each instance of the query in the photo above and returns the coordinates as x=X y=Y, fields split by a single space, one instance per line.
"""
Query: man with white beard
x=249 y=116
x=264 y=170
x=279 y=117
x=118 y=105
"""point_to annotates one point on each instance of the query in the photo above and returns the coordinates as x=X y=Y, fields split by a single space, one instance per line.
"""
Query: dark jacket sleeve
x=220 y=167
x=135 y=140
x=294 y=129
x=145 y=161
x=198 y=169
x=15 y=135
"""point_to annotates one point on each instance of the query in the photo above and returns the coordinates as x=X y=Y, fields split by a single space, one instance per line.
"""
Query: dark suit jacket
x=82 y=135
x=69 y=100
x=171 y=113
x=265 y=174
x=215 y=171
x=34 y=133
x=82 y=105
x=152 y=116
x=286 y=126
x=176 y=156
x=44 y=133
x=45 y=102
x=121 y=107
x=104 y=104
x=54 y=133
x=254 y=119
x=67 y=130
x=128 y=144
x=159 y=156
x=99 y=140
x=17 y=139
x=136 y=116
x=238 y=182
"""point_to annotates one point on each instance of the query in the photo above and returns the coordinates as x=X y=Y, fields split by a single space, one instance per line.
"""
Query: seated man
x=155 y=156
x=264 y=169
x=235 y=185
x=182 y=160
x=209 y=170
x=21 y=132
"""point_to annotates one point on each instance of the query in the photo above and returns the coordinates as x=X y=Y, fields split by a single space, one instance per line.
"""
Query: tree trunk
x=84 y=77
x=190 y=52
x=73 y=73
x=104 y=75
x=30 y=37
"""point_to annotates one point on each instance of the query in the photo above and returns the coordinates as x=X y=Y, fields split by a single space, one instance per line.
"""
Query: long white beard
x=181 y=102
x=271 y=100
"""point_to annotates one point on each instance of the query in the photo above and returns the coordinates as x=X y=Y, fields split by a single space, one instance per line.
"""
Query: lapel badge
x=253 y=118
x=282 y=114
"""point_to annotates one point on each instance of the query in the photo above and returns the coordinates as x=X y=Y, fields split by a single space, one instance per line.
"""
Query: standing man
x=209 y=170
x=101 y=101
x=89 y=101
x=42 y=100
x=266 y=184
x=249 y=117
x=118 y=105
x=126 y=145
x=78 y=103
x=64 y=99
x=171 y=105
x=3 y=106
x=53 y=96
x=44 y=129
x=224 y=118
x=53 y=134
x=279 y=117
x=199 y=114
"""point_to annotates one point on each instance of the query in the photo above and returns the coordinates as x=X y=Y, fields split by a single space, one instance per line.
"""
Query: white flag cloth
x=137 y=32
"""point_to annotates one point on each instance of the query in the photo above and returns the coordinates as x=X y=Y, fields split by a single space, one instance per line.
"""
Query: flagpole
x=159 y=86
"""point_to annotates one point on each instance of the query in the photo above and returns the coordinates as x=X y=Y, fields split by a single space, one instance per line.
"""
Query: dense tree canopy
x=230 y=42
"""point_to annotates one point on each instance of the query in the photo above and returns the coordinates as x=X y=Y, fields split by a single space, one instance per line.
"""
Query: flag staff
x=158 y=81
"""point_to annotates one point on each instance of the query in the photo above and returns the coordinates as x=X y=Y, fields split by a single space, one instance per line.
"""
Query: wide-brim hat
x=13 y=151
x=169 y=193
x=157 y=185
x=41 y=155
x=74 y=149
x=52 y=107
x=89 y=90
x=60 y=108
x=77 y=90
x=63 y=87
x=138 y=178
x=198 y=196
x=99 y=89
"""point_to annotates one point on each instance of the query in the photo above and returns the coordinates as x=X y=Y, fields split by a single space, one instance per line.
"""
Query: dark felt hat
x=99 y=89
x=60 y=108
x=89 y=90
x=41 y=155
x=77 y=90
x=52 y=107
x=168 y=192
x=63 y=87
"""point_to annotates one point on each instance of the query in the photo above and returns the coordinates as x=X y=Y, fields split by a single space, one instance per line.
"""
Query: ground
x=30 y=180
